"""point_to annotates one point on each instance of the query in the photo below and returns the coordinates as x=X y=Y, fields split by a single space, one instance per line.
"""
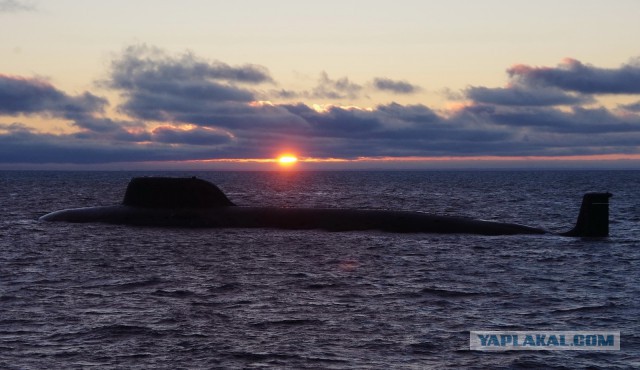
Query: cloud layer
x=7 y=6
x=182 y=107
x=573 y=75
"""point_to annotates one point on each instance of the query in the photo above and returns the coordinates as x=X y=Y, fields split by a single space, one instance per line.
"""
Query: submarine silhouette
x=193 y=202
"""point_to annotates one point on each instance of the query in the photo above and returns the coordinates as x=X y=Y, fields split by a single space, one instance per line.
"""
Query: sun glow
x=287 y=160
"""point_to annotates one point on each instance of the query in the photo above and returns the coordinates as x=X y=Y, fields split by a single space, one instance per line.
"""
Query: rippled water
x=74 y=295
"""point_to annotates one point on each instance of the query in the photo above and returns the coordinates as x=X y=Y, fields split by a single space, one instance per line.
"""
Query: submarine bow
x=193 y=202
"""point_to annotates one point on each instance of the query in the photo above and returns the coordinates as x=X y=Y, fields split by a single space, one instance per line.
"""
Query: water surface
x=84 y=295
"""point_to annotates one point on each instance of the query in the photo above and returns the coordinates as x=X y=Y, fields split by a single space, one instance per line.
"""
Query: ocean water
x=105 y=296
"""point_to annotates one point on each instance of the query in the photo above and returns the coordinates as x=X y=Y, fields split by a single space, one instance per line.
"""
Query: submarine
x=193 y=202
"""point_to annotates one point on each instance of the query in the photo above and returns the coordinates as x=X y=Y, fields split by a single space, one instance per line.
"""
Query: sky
x=199 y=84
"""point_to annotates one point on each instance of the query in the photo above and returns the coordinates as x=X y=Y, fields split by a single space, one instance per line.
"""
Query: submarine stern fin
x=593 y=219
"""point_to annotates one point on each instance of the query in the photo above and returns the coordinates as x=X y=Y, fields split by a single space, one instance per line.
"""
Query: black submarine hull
x=290 y=218
x=192 y=202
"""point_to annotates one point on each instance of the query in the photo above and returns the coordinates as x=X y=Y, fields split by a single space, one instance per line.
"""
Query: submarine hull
x=193 y=202
x=289 y=218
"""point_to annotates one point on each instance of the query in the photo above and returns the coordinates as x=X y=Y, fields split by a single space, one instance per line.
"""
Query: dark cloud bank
x=211 y=110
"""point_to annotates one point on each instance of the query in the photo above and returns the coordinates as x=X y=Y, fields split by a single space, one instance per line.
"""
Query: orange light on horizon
x=287 y=160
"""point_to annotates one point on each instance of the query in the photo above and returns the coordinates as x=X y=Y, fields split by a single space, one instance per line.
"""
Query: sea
x=120 y=297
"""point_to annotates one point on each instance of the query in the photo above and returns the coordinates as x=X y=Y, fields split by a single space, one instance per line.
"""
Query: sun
x=287 y=160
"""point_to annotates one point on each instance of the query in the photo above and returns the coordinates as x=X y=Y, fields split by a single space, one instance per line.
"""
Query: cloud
x=152 y=82
x=577 y=121
x=19 y=95
x=344 y=89
x=284 y=94
x=191 y=136
x=9 y=6
x=21 y=145
x=387 y=130
x=339 y=89
x=185 y=108
x=33 y=96
x=525 y=96
x=634 y=107
x=105 y=125
x=570 y=83
x=185 y=89
x=335 y=89
x=398 y=87
x=142 y=66
x=573 y=75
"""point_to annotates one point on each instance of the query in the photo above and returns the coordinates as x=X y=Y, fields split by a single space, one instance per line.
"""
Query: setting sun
x=287 y=160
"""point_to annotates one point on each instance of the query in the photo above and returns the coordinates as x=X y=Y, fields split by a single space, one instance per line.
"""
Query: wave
x=133 y=285
x=288 y=322
x=122 y=330
x=587 y=308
